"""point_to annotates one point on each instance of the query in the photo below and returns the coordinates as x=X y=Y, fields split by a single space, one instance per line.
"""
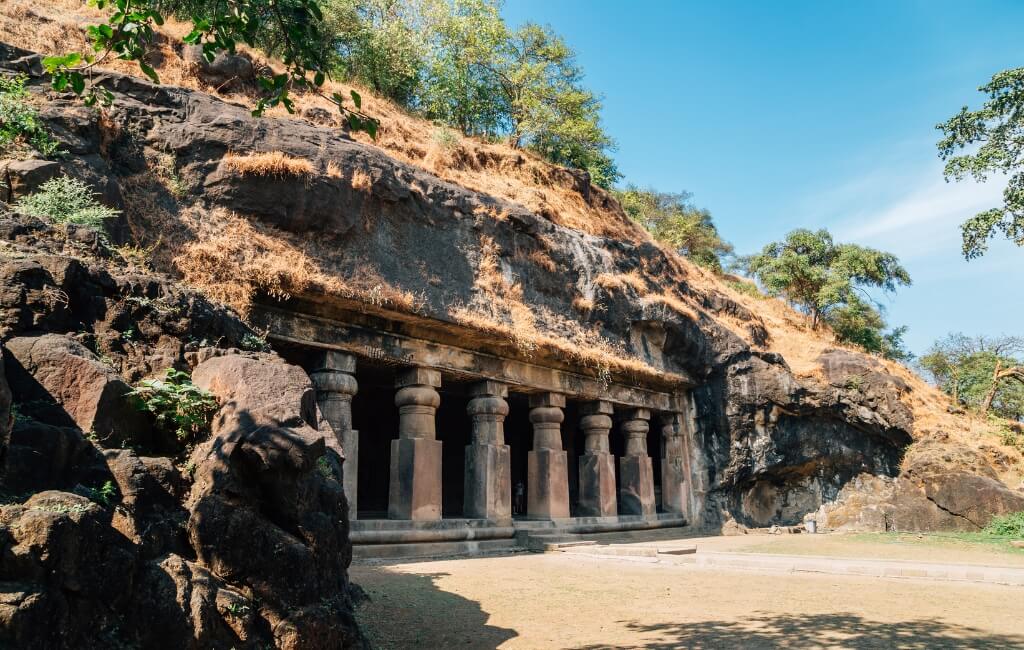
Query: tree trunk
x=990 y=395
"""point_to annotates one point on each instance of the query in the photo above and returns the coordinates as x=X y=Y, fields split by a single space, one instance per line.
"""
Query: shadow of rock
x=407 y=610
x=818 y=631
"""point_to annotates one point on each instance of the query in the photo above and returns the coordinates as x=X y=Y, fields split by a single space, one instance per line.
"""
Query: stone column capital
x=335 y=360
x=556 y=400
x=671 y=424
x=637 y=414
x=488 y=387
x=418 y=377
x=597 y=407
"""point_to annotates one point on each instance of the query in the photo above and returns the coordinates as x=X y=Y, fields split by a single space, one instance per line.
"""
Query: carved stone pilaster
x=597 y=465
x=547 y=463
x=636 y=473
x=415 y=488
x=333 y=376
x=488 y=476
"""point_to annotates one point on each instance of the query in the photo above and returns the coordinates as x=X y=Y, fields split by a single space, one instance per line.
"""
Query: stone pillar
x=547 y=465
x=488 y=478
x=415 y=491
x=597 y=465
x=636 y=474
x=675 y=489
x=333 y=376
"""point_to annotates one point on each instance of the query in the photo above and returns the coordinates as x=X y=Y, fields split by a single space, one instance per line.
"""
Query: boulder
x=23 y=177
x=226 y=71
x=41 y=456
x=64 y=572
x=267 y=510
x=68 y=385
x=149 y=511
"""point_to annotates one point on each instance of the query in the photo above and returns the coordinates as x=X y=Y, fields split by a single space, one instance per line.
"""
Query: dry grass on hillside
x=56 y=26
x=273 y=163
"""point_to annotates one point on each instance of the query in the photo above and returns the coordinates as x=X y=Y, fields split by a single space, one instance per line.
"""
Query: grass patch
x=273 y=163
x=20 y=125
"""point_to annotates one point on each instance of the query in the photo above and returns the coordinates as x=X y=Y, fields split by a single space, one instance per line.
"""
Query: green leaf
x=318 y=79
x=77 y=83
x=356 y=99
x=149 y=72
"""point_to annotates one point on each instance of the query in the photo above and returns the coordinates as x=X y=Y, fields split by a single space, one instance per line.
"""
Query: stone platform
x=400 y=539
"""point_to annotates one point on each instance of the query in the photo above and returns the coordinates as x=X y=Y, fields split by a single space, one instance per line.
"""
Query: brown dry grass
x=270 y=163
x=583 y=305
x=620 y=281
x=672 y=302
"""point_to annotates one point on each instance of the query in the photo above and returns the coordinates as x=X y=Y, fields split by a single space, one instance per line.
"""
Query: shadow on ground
x=413 y=612
x=818 y=631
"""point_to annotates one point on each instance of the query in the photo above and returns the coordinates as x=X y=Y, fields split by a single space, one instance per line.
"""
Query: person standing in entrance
x=519 y=499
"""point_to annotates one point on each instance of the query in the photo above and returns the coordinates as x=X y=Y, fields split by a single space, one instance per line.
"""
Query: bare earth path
x=571 y=601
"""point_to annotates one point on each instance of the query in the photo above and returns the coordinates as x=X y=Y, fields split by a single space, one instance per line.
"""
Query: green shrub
x=19 y=121
x=1011 y=525
x=179 y=405
x=746 y=288
x=66 y=200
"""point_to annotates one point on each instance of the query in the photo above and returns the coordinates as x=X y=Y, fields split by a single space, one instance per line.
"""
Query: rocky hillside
x=200 y=545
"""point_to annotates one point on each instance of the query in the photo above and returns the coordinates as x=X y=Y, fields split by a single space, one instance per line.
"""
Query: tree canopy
x=994 y=136
x=459 y=63
x=671 y=218
x=830 y=282
x=984 y=373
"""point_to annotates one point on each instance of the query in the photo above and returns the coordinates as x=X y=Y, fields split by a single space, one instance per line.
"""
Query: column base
x=597 y=485
x=636 y=486
x=547 y=490
x=488 y=483
x=415 y=491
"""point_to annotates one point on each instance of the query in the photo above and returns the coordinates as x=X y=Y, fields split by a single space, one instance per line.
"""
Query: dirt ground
x=573 y=601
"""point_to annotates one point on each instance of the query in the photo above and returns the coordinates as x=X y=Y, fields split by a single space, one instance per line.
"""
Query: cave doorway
x=454 y=430
x=519 y=438
x=375 y=416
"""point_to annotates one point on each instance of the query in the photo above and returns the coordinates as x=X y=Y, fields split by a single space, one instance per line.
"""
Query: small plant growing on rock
x=255 y=343
x=19 y=120
x=1011 y=525
x=103 y=495
x=178 y=404
x=66 y=200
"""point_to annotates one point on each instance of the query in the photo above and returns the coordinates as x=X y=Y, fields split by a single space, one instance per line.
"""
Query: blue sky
x=779 y=115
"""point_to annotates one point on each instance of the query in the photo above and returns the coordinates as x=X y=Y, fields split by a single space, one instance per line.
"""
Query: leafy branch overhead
x=995 y=134
x=296 y=26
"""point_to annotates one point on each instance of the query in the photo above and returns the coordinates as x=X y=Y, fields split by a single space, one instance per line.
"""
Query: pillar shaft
x=675 y=489
x=488 y=476
x=333 y=376
x=597 y=465
x=636 y=474
x=547 y=463
x=415 y=487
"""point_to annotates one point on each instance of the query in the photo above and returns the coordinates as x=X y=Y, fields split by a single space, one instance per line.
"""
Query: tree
x=995 y=134
x=672 y=219
x=381 y=43
x=818 y=276
x=984 y=373
x=859 y=323
x=291 y=29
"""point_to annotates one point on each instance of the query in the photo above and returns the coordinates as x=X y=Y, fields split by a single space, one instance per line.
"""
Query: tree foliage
x=671 y=218
x=817 y=275
x=995 y=135
x=859 y=323
x=984 y=373
x=290 y=29
x=459 y=63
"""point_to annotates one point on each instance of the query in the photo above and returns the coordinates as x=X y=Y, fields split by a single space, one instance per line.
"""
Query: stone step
x=424 y=550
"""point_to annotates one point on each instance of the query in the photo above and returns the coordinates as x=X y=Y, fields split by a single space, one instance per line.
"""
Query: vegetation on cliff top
x=982 y=373
x=994 y=136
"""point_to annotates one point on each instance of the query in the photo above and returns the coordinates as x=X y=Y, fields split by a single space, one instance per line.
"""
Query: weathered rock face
x=242 y=544
x=267 y=507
